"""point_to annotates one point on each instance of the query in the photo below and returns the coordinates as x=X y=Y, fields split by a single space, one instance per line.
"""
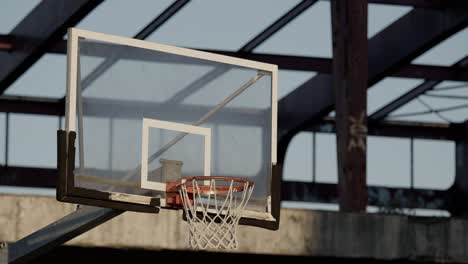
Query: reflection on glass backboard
x=147 y=117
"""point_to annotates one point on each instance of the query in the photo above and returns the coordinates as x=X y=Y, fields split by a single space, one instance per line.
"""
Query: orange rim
x=238 y=185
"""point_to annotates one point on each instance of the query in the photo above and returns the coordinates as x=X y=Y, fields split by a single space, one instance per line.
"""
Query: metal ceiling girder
x=46 y=24
x=45 y=239
x=401 y=129
x=6 y=42
x=32 y=105
x=28 y=177
x=393 y=47
x=411 y=36
x=324 y=65
x=321 y=65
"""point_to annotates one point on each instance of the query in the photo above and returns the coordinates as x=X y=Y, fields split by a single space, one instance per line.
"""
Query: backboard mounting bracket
x=68 y=192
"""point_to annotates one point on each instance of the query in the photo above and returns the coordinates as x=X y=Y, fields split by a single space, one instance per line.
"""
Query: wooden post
x=350 y=75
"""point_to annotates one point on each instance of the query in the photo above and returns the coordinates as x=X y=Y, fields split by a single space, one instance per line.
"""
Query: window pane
x=388 y=161
x=45 y=78
x=290 y=80
x=434 y=164
x=15 y=190
x=406 y=113
x=33 y=141
x=409 y=211
x=310 y=206
x=298 y=162
x=326 y=158
x=451 y=88
x=445 y=98
x=307 y=35
x=388 y=90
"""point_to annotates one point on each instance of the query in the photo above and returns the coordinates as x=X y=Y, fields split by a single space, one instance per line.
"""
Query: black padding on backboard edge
x=62 y=158
x=66 y=190
x=275 y=203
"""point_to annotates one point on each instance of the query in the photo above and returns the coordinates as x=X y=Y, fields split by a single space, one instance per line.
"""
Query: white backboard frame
x=75 y=34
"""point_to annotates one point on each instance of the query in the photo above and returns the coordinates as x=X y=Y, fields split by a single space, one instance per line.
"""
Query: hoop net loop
x=213 y=206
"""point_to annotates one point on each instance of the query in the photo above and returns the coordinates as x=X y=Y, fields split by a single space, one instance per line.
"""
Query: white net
x=213 y=207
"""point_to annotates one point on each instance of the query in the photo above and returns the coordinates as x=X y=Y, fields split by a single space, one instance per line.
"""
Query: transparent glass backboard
x=148 y=114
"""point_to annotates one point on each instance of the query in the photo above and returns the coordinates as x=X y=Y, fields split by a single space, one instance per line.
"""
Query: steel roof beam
x=401 y=129
x=315 y=64
x=56 y=107
x=422 y=28
x=6 y=42
x=47 y=23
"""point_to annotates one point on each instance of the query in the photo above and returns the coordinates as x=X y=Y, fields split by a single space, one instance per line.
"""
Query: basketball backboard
x=146 y=115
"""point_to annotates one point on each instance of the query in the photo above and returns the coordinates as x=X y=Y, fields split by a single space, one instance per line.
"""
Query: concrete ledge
x=302 y=232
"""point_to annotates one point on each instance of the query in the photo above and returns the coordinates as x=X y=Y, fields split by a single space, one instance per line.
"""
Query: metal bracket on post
x=57 y=233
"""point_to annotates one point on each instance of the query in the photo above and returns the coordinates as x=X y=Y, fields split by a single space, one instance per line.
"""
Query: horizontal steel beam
x=430 y=72
x=324 y=65
x=315 y=64
x=56 y=107
x=402 y=129
x=32 y=105
x=107 y=108
x=6 y=42
x=28 y=177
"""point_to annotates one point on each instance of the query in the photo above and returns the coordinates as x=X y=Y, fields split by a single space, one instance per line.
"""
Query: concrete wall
x=302 y=232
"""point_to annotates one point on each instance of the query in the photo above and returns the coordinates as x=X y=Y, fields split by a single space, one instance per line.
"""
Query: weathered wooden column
x=350 y=75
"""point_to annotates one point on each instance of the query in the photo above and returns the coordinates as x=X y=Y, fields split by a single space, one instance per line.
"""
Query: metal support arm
x=57 y=233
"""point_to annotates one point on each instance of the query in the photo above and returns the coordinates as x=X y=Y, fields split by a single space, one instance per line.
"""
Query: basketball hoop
x=213 y=206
